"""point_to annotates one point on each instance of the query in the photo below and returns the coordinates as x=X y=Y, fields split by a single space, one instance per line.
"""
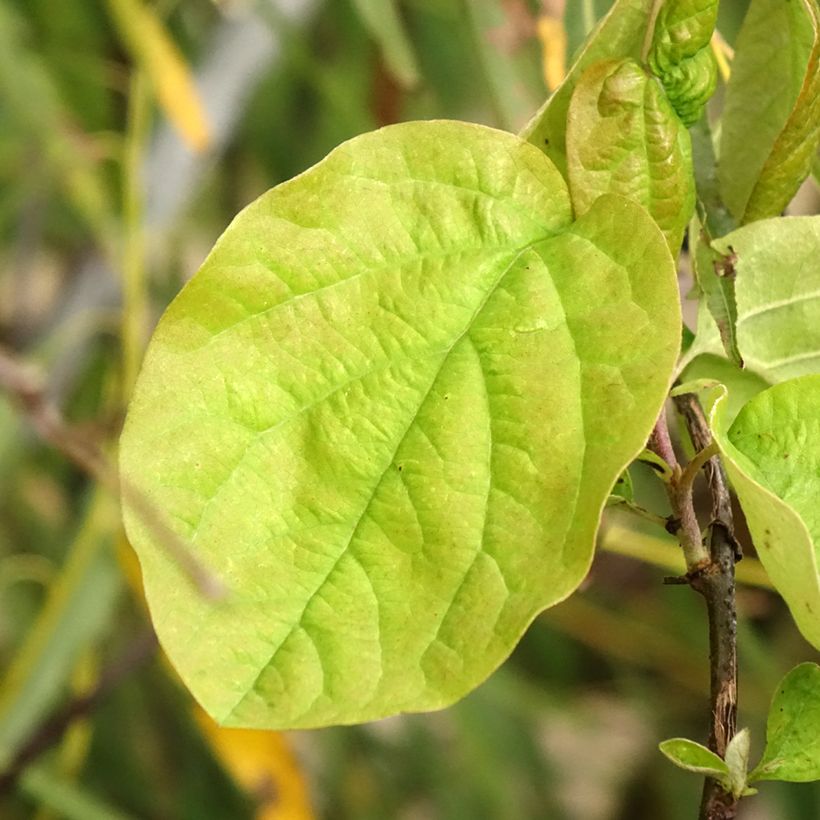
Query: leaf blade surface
x=388 y=411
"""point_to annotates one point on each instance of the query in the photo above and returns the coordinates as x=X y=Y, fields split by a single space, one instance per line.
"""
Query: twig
x=717 y=586
x=684 y=523
x=52 y=730
x=26 y=388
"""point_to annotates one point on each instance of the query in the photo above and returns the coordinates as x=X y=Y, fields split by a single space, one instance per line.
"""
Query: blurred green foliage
x=99 y=189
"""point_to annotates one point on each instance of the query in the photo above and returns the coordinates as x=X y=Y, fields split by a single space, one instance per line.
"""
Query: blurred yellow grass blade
x=157 y=55
x=553 y=39
x=262 y=763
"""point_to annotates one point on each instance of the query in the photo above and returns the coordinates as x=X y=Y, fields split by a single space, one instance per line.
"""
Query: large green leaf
x=618 y=35
x=388 y=411
x=771 y=120
x=623 y=137
x=772 y=455
x=793 y=729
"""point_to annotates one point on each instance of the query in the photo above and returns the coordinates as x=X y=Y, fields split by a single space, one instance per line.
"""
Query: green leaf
x=737 y=759
x=715 y=274
x=771 y=120
x=382 y=18
x=387 y=412
x=681 y=57
x=623 y=137
x=793 y=729
x=618 y=35
x=695 y=758
x=777 y=287
x=772 y=456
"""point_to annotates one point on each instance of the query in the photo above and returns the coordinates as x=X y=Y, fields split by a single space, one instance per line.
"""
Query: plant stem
x=683 y=523
x=717 y=585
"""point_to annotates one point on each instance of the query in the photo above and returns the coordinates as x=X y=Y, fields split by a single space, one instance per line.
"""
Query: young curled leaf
x=624 y=138
x=680 y=55
x=737 y=759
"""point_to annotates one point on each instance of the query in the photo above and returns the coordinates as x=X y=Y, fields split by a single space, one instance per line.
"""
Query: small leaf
x=623 y=137
x=715 y=274
x=382 y=18
x=695 y=758
x=772 y=456
x=623 y=489
x=771 y=120
x=737 y=759
x=388 y=412
x=793 y=731
x=618 y=35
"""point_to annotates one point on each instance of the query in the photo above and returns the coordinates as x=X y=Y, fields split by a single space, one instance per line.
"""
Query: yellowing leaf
x=156 y=53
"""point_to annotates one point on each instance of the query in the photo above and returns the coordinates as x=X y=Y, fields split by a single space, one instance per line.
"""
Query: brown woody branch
x=718 y=589
x=712 y=574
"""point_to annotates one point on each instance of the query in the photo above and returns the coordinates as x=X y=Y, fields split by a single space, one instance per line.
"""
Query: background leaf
x=383 y=19
x=771 y=119
x=79 y=604
x=793 y=732
x=507 y=51
x=359 y=504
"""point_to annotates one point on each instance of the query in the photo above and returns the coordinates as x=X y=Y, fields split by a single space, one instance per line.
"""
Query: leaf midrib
x=344 y=551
